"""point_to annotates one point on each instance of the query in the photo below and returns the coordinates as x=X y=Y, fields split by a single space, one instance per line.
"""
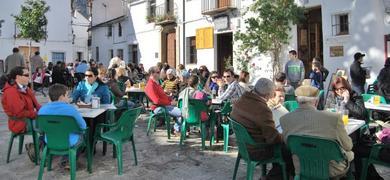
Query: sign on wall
x=204 y=38
x=221 y=23
x=336 y=51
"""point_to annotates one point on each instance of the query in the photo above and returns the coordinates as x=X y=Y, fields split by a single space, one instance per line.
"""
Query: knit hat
x=306 y=91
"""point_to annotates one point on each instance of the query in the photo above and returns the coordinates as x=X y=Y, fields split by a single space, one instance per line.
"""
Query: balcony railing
x=165 y=13
x=210 y=7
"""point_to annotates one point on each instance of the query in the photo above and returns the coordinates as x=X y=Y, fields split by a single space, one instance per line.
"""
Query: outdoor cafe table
x=90 y=114
x=379 y=107
x=138 y=93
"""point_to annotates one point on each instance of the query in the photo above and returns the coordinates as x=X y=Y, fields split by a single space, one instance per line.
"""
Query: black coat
x=358 y=74
x=384 y=82
x=356 y=108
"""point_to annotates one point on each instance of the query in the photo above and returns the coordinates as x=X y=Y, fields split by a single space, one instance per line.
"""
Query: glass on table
x=345 y=115
x=376 y=100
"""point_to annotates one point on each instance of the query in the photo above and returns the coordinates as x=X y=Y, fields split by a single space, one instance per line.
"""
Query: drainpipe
x=184 y=32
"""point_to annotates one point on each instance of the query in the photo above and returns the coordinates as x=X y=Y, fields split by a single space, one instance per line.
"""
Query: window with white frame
x=152 y=8
x=57 y=56
x=340 y=24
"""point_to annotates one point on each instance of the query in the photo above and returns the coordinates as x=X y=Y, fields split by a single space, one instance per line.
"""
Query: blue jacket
x=62 y=108
x=316 y=80
x=81 y=68
x=101 y=91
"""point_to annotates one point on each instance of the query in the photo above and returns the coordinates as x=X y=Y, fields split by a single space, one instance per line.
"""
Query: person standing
x=36 y=61
x=294 y=69
x=358 y=74
x=13 y=60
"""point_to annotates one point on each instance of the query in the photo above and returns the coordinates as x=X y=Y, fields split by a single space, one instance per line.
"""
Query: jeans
x=172 y=111
x=359 y=89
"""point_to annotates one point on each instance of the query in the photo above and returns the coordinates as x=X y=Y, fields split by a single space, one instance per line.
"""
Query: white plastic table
x=91 y=113
x=379 y=107
x=216 y=102
x=353 y=125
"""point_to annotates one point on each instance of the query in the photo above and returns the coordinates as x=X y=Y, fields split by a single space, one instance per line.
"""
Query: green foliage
x=32 y=21
x=268 y=28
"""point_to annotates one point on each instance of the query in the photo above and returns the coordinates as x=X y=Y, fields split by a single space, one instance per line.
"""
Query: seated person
x=191 y=92
x=342 y=96
x=159 y=99
x=243 y=80
x=113 y=85
x=211 y=86
x=59 y=105
x=92 y=85
x=276 y=105
x=171 y=84
x=252 y=112
x=315 y=75
x=280 y=80
x=307 y=120
x=233 y=90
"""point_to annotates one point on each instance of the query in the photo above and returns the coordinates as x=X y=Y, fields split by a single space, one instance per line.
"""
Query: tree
x=32 y=23
x=267 y=30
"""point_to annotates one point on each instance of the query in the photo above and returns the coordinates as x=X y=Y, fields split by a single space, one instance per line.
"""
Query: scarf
x=91 y=88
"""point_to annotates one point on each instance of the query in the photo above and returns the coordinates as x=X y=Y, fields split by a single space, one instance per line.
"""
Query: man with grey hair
x=252 y=112
x=307 y=120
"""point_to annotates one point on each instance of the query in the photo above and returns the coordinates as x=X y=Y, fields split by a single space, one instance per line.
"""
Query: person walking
x=358 y=74
x=36 y=61
x=13 y=60
x=294 y=69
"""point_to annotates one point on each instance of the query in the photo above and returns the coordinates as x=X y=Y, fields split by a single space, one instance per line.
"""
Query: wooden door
x=223 y=3
x=171 y=49
x=24 y=51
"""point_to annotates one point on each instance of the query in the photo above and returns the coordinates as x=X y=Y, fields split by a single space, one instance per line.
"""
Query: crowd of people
x=259 y=108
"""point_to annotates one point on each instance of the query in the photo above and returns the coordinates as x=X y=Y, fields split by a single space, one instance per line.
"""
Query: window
x=110 y=53
x=57 y=56
x=191 y=49
x=119 y=29
x=133 y=53
x=80 y=56
x=152 y=8
x=97 y=54
x=109 y=30
x=340 y=24
x=119 y=53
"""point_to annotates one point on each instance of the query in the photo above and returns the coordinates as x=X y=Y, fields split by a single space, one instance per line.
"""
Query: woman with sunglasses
x=92 y=85
x=343 y=95
x=211 y=83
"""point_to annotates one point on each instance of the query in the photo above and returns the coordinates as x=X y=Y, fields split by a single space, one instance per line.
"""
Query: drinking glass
x=345 y=117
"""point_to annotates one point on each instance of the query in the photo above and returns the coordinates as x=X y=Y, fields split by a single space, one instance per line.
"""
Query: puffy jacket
x=19 y=106
x=356 y=108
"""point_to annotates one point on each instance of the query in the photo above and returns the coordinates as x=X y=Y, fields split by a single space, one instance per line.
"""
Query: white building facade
x=62 y=43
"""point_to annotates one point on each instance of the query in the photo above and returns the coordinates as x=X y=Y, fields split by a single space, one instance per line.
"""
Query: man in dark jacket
x=384 y=81
x=358 y=74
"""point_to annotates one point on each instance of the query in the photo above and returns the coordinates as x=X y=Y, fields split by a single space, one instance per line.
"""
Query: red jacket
x=19 y=105
x=156 y=94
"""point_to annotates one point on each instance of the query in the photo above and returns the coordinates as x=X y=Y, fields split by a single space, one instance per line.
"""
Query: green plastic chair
x=195 y=107
x=154 y=116
x=244 y=139
x=21 y=140
x=289 y=97
x=371 y=88
x=119 y=133
x=374 y=159
x=225 y=111
x=291 y=105
x=314 y=155
x=58 y=141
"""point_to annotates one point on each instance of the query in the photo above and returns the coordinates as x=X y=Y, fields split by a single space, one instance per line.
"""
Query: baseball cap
x=358 y=55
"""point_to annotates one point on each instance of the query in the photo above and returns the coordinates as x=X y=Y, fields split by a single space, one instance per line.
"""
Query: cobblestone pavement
x=158 y=158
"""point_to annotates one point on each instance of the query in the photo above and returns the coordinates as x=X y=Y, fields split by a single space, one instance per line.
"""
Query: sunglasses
x=89 y=75
x=226 y=76
x=26 y=75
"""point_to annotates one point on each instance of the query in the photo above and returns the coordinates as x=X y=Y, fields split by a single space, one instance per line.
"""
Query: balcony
x=212 y=7
x=165 y=14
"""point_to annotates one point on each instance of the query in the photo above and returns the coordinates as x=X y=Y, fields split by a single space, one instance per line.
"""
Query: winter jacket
x=384 y=81
x=19 y=106
x=355 y=105
x=156 y=94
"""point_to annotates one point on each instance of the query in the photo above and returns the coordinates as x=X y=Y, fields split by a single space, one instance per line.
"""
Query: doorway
x=310 y=42
x=24 y=51
x=224 y=51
